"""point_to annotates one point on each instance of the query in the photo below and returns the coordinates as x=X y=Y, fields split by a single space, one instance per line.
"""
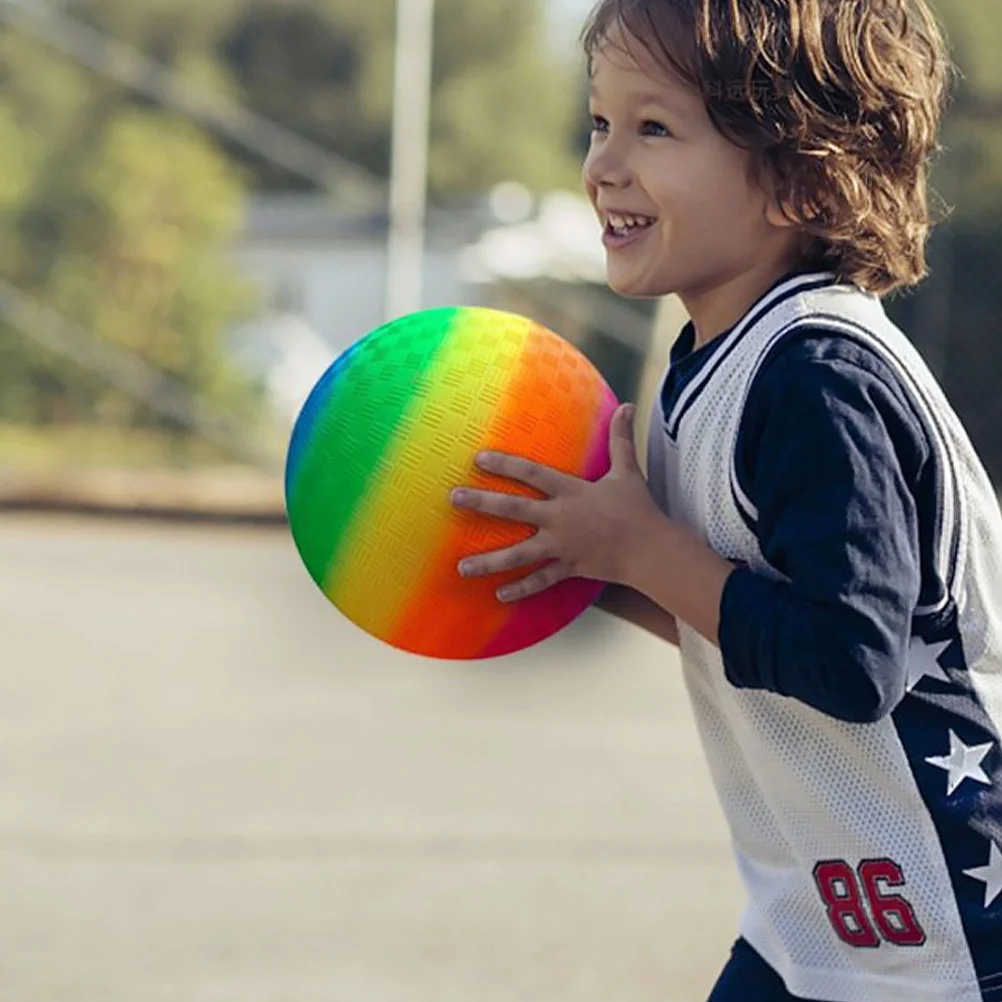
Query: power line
x=110 y=57
x=118 y=366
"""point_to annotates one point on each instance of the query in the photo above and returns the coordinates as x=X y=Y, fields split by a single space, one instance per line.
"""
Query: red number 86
x=893 y=916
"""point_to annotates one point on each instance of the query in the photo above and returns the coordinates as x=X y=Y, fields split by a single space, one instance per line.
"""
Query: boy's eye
x=648 y=128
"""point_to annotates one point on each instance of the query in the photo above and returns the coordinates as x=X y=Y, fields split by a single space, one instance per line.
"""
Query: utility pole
x=409 y=168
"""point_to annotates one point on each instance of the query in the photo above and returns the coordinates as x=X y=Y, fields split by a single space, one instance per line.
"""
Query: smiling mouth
x=624 y=226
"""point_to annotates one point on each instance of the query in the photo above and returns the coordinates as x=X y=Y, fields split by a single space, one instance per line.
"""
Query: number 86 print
x=843 y=895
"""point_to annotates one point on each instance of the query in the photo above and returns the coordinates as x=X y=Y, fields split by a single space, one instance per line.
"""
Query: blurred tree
x=501 y=108
x=970 y=175
x=117 y=213
x=953 y=315
x=119 y=217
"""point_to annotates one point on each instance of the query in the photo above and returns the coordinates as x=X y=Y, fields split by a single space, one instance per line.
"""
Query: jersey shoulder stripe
x=783 y=292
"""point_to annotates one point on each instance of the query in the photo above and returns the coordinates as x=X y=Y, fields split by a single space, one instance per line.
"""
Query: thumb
x=622 y=451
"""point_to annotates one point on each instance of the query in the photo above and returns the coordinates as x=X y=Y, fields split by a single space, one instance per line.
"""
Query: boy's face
x=656 y=154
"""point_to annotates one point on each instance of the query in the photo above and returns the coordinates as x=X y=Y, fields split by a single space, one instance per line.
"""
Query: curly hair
x=840 y=100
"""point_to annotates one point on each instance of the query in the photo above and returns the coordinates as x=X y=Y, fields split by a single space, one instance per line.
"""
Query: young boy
x=816 y=531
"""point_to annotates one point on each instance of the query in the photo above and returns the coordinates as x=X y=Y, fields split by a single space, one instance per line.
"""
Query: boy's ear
x=776 y=216
x=778 y=213
x=774 y=208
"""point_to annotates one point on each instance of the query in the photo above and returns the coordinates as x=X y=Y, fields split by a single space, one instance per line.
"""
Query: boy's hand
x=585 y=529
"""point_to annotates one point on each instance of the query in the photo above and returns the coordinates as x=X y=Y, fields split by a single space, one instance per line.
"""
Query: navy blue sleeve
x=828 y=454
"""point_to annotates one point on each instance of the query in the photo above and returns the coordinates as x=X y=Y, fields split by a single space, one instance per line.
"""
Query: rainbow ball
x=392 y=427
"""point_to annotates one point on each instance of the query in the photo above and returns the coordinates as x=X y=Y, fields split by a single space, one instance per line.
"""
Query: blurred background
x=213 y=788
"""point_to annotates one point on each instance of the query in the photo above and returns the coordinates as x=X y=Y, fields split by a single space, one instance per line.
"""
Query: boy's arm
x=633 y=606
x=832 y=463
x=679 y=574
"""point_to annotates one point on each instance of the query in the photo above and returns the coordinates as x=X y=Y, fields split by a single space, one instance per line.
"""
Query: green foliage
x=118 y=214
x=974 y=35
x=500 y=107
x=968 y=174
x=118 y=217
x=497 y=120
x=952 y=314
x=143 y=254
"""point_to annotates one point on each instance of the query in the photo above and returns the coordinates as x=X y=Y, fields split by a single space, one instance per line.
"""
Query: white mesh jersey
x=873 y=874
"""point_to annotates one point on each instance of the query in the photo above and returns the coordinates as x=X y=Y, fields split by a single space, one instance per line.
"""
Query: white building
x=320 y=275
x=328 y=265
x=320 y=272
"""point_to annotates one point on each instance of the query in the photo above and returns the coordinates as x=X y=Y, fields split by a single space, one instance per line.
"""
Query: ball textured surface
x=392 y=427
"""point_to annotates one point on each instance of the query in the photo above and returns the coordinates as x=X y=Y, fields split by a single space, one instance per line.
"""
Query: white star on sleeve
x=963 y=762
x=923 y=659
x=990 y=874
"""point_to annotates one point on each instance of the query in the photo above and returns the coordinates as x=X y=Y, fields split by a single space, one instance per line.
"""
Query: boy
x=815 y=530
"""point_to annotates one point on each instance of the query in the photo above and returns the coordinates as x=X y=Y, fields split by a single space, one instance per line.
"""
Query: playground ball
x=391 y=427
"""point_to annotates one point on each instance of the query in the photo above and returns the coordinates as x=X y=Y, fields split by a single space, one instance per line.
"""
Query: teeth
x=619 y=222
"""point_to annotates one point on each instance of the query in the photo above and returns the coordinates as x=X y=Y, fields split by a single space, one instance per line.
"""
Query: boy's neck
x=715 y=310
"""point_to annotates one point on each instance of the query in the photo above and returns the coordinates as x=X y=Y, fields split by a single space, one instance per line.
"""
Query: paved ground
x=214 y=789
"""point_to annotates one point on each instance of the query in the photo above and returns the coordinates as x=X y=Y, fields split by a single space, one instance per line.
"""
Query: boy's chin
x=635 y=288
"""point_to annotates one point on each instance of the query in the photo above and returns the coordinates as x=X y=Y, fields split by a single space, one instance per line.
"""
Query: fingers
x=544 y=578
x=622 y=450
x=530 y=551
x=514 y=507
x=543 y=478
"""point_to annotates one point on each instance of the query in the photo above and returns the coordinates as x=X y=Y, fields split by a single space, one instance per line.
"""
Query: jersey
x=871 y=852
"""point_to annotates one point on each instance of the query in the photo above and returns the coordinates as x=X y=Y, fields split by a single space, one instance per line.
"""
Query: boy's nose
x=603 y=169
